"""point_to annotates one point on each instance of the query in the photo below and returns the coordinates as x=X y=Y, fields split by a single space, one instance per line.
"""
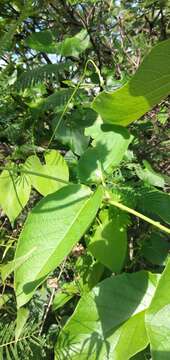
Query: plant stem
x=141 y=216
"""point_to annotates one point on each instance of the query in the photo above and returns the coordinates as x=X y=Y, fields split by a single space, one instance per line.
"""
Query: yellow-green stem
x=139 y=215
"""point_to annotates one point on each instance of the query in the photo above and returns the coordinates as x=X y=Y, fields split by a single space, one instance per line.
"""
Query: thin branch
x=47 y=59
x=163 y=25
x=51 y=297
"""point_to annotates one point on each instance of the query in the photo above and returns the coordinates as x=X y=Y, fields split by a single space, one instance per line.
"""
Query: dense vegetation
x=84 y=179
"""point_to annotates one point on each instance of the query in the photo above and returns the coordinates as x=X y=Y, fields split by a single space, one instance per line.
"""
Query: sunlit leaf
x=109 y=244
x=158 y=319
x=148 y=87
x=108 y=322
x=54 y=226
x=108 y=149
x=149 y=176
x=14 y=193
x=55 y=166
x=7 y=269
x=22 y=316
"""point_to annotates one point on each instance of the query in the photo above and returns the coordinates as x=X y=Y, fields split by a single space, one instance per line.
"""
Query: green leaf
x=75 y=45
x=108 y=322
x=14 y=194
x=67 y=292
x=149 y=176
x=22 y=316
x=71 y=130
x=4 y=299
x=109 y=244
x=55 y=224
x=130 y=338
x=156 y=202
x=107 y=152
x=71 y=46
x=94 y=129
x=94 y=275
x=155 y=248
x=158 y=319
x=7 y=269
x=42 y=41
x=55 y=166
x=148 y=87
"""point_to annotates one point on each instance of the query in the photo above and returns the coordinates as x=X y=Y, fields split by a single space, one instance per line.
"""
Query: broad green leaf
x=158 y=318
x=107 y=152
x=14 y=193
x=109 y=244
x=7 y=269
x=156 y=202
x=89 y=272
x=129 y=338
x=55 y=166
x=22 y=316
x=148 y=87
x=42 y=41
x=71 y=46
x=75 y=45
x=70 y=131
x=108 y=320
x=155 y=248
x=55 y=224
x=149 y=176
x=95 y=129
x=94 y=275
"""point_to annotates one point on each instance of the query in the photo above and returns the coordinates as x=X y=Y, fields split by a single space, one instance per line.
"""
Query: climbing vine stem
x=138 y=214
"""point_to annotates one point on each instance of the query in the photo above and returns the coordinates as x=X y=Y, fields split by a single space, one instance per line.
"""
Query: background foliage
x=80 y=249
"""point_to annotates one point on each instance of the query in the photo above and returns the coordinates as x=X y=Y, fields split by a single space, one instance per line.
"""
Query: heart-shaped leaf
x=55 y=167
